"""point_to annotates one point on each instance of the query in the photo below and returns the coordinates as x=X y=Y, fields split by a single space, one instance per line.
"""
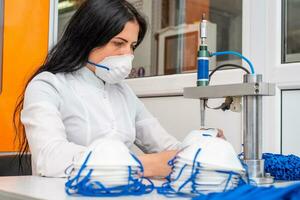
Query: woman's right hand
x=216 y=132
x=221 y=134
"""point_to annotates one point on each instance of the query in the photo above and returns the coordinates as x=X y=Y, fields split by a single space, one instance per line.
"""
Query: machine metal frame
x=252 y=90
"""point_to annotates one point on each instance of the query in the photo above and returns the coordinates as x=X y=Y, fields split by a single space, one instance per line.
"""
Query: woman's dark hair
x=93 y=25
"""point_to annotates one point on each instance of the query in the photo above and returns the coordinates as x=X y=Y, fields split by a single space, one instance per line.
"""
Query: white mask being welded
x=114 y=69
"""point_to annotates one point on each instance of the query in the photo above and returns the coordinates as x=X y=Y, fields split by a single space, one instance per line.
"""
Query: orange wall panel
x=25 y=47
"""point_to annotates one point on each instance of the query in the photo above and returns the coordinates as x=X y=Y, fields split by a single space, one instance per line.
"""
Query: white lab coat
x=63 y=113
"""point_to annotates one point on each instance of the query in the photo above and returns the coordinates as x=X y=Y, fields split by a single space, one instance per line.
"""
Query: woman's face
x=123 y=43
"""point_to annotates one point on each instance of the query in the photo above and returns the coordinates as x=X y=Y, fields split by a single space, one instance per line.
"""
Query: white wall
x=179 y=115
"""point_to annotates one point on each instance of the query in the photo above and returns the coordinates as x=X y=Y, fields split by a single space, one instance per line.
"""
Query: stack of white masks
x=107 y=168
x=205 y=164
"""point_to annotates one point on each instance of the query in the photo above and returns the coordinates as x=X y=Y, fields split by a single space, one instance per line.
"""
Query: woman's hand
x=221 y=134
x=156 y=164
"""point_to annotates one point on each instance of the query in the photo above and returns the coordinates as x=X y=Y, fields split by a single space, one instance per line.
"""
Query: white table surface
x=35 y=187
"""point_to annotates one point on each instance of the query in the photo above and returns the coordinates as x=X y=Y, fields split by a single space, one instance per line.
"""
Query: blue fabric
x=250 y=192
x=282 y=167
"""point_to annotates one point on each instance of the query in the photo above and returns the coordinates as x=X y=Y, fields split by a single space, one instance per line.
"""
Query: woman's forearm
x=156 y=164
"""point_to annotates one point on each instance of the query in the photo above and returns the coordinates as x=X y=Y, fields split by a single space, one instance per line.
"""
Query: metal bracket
x=233 y=90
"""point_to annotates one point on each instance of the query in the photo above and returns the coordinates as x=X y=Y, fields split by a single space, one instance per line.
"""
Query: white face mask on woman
x=114 y=69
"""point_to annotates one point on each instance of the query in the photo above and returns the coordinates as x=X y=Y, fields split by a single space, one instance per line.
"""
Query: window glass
x=291 y=31
x=66 y=8
x=171 y=44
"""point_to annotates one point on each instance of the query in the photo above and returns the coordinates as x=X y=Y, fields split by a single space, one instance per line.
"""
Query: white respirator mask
x=107 y=169
x=114 y=69
x=206 y=164
x=197 y=135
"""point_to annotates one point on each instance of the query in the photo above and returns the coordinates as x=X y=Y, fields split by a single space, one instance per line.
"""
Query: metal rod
x=252 y=122
x=202 y=112
x=252 y=132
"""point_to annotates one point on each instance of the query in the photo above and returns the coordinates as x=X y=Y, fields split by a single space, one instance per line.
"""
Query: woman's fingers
x=215 y=132
x=221 y=134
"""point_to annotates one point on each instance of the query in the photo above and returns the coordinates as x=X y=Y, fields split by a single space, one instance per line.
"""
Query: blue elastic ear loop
x=171 y=164
x=138 y=161
x=97 y=65
x=180 y=172
x=236 y=54
x=193 y=174
x=245 y=166
x=150 y=187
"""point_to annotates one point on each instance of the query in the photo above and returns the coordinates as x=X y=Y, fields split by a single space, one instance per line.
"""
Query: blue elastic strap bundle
x=250 y=192
x=88 y=187
x=167 y=190
x=282 y=167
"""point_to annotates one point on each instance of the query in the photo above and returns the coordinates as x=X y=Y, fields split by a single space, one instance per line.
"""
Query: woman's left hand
x=221 y=134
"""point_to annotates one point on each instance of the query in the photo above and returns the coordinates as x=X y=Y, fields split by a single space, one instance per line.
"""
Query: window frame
x=285 y=57
x=53 y=24
x=285 y=75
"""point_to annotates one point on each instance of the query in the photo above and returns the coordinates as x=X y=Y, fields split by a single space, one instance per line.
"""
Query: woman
x=78 y=94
